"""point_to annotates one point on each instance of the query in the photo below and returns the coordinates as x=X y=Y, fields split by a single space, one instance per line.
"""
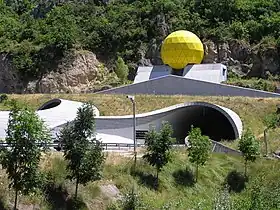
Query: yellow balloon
x=181 y=48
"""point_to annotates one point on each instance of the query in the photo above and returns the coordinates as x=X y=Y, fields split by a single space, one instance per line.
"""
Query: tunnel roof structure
x=57 y=112
x=124 y=121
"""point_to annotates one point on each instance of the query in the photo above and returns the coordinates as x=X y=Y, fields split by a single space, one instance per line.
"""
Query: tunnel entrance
x=50 y=104
x=212 y=123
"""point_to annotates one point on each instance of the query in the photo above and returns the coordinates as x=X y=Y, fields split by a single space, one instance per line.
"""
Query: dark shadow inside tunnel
x=212 y=123
x=50 y=104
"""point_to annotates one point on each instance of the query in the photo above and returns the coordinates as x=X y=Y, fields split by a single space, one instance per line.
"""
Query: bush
x=236 y=181
x=131 y=201
x=3 y=98
x=258 y=84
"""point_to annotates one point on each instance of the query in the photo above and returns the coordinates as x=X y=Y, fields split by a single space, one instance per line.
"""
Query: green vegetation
x=21 y=161
x=200 y=148
x=219 y=178
x=34 y=33
x=81 y=149
x=177 y=188
x=3 y=98
x=271 y=122
x=254 y=83
x=121 y=69
x=249 y=147
x=158 y=148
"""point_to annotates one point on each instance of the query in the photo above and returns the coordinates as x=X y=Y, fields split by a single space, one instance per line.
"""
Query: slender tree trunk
x=157 y=179
x=245 y=169
x=16 y=190
x=196 y=177
x=77 y=185
x=16 y=198
x=265 y=141
x=218 y=50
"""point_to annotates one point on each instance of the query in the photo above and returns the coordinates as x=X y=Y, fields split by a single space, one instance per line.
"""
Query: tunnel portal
x=212 y=123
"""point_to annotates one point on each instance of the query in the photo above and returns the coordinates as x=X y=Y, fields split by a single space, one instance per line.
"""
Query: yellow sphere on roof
x=181 y=48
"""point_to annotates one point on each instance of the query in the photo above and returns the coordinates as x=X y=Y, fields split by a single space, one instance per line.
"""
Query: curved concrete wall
x=176 y=115
x=118 y=129
x=61 y=112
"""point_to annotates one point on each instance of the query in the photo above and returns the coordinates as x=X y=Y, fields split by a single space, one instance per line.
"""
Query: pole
x=265 y=142
x=134 y=134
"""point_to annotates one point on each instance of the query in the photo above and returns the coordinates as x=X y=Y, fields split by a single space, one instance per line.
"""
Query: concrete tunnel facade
x=217 y=122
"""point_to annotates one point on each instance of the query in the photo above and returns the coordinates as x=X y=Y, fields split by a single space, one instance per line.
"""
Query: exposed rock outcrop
x=238 y=56
x=242 y=58
x=10 y=81
x=79 y=71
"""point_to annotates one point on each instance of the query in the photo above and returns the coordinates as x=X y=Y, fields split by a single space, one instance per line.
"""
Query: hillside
x=36 y=36
x=177 y=189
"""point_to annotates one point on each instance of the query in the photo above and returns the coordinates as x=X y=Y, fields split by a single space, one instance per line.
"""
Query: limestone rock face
x=78 y=72
x=242 y=58
x=10 y=80
x=238 y=56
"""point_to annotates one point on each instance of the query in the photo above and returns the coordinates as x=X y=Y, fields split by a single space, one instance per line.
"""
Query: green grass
x=177 y=196
x=172 y=194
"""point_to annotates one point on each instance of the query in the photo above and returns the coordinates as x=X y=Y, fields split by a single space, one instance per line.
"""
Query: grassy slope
x=212 y=175
x=171 y=193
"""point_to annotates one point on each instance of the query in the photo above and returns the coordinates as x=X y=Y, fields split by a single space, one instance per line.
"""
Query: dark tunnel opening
x=212 y=123
x=50 y=104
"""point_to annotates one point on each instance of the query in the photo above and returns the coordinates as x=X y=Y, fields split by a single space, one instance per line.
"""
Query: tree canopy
x=249 y=147
x=159 y=145
x=34 y=31
x=82 y=150
x=26 y=135
x=200 y=148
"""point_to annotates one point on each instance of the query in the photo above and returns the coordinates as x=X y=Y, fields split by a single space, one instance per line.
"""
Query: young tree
x=81 y=149
x=271 y=121
x=26 y=134
x=249 y=147
x=121 y=69
x=158 y=147
x=200 y=148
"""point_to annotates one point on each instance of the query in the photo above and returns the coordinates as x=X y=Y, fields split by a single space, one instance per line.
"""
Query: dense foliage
x=25 y=134
x=36 y=32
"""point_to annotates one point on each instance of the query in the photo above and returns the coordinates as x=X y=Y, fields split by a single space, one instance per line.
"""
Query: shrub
x=3 y=98
x=236 y=181
x=131 y=201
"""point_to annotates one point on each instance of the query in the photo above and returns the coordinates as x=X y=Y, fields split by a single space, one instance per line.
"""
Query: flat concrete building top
x=205 y=72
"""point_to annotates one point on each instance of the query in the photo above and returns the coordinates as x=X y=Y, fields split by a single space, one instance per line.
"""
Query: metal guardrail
x=104 y=145
x=216 y=147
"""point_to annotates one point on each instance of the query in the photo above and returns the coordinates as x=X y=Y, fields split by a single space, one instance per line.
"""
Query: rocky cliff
x=80 y=71
x=10 y=80
x=77 y=72
x=243 y=59
x=239 y=56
